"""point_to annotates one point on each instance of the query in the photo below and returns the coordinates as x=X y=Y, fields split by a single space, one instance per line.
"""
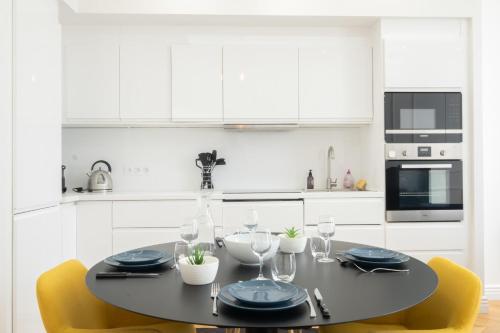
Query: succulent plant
x=292 y=232
x=197 y=257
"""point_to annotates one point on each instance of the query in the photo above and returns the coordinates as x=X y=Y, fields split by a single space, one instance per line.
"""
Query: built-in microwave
x=423 y=117
x=424 y=182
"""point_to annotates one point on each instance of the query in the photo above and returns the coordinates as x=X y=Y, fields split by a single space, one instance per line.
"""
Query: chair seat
x=168 y=327
x=362 y=328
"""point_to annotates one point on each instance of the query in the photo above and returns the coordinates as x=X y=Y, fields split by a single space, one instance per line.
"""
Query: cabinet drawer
x=346 y=211
x=133 y=238
x=276 y=215
x=456 y=256
x=361 y=234
x=158 y=214
x=426 y=236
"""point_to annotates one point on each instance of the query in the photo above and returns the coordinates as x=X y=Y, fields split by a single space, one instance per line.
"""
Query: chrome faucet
x=330 y=182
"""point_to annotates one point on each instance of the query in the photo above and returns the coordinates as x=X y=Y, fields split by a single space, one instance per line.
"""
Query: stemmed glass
x=260 y=242
x=189 y=231
x=251 y=220
x=326 y=229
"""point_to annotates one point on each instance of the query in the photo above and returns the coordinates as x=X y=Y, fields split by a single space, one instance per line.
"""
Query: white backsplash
x=162 y=159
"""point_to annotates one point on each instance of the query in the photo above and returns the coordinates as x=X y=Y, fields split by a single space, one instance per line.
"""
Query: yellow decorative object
x=453 y=308
x=67 y=306
x=361 y=185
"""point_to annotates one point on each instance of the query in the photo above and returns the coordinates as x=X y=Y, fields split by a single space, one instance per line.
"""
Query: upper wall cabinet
x=91 y=76
x=145 y=81
x=196 y=83
x=424 y=63
x=260 y=84
x=335 y=83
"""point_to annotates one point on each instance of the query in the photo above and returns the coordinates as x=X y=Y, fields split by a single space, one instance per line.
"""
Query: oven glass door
x=424 y=185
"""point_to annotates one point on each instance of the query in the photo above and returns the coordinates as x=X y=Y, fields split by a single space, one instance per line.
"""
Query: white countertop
x=217 y=195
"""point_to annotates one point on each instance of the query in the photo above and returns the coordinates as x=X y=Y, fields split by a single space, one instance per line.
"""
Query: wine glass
x=189 y=231
x=326 y=229
x=260 y=242
x=251 y=220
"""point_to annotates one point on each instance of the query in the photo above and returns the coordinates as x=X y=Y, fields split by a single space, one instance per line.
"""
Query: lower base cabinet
x=37 y=248
x=132 y=238
x=367 y=235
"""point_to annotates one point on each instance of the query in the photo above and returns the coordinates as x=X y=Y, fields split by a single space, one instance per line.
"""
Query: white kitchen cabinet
x=346 y=211
x=362 y=234
x=260 y=84
x=196 y=83
x=37 y=105
x=424 y=63
x=132 y=238
x=94 y=231
x=91 y=81
x=457 y=256
x=145 y=90
x=274 y=215
x=335 y=83
x=68 y=227
x=159 y=214
x=37 y=248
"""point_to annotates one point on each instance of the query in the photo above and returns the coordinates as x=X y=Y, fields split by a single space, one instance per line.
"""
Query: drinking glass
x=251 y=220
x=181 y=250
x=283 y=267
x=260 y=242
x=189 y=231
x=326 y=229
x=316 y=244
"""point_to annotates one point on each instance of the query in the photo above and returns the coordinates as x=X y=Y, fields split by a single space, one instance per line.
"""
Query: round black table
x=350 y=294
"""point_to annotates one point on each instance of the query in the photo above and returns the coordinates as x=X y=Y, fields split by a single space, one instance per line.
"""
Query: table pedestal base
x=258 y=330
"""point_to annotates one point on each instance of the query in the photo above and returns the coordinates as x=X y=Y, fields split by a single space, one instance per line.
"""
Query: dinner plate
x=398 y=260
x=372 y=253
x=263 y=292
x=227 y=299
x=110 y=261
x=138 y=257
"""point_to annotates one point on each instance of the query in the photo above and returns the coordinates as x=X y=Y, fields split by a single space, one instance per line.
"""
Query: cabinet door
x=37 y=248
x=260 y=83
x=368 y=235
x=275 y=216
x=424 y=63
x=68 y=226
x=358 y=211
x=91 y=81
x=129 y=239
x=336 y=83
x=196 y=83
x=37 y=105
x=94 y=231
x=144 y=81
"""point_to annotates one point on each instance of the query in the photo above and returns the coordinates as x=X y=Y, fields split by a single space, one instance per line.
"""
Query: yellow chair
x=453 y=307
x=67 y=306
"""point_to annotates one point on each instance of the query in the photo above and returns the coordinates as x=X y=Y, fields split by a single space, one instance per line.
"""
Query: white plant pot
x=199 y=274
x=292 y=245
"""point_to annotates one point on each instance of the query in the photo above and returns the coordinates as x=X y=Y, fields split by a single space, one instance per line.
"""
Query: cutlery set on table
x=372 y=260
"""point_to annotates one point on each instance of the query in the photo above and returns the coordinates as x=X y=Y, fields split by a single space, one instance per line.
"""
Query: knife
x=311 y=305
x=322 y=306
x=123 y=275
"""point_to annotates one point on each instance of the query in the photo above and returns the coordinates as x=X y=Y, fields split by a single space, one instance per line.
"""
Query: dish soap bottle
x=310 y=181
x=348 y=180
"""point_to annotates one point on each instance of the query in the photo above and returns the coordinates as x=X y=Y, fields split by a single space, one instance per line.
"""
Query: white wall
x=490 y=55
x=255 y=160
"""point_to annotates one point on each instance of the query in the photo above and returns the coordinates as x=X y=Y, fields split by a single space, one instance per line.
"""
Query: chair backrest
x=65 y=301
x=455 y=303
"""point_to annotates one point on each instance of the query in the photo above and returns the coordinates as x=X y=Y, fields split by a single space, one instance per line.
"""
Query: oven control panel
x=427 y=151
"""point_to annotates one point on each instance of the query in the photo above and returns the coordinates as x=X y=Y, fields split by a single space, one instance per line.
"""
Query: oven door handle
x=427 y=166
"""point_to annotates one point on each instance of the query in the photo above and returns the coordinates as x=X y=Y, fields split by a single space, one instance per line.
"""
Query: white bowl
x=238 y=246
x=292 y=245
x=199 y=274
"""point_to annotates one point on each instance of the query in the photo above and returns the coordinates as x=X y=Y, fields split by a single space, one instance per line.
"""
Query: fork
x=214 y=291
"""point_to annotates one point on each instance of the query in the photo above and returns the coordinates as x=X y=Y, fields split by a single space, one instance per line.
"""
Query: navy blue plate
x=138 y=257
x=398 y=260
x=372 y=253
x=226 y=298
x=110 y=261
x=263 y=292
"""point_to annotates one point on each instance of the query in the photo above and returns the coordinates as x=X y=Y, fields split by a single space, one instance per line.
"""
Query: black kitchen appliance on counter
x=206 y=162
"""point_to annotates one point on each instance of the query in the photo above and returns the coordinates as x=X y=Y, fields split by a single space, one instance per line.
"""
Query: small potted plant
x=198 y=268
x=292 y=241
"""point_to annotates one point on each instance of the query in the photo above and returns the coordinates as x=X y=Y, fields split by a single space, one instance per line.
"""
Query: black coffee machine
x=206 y=162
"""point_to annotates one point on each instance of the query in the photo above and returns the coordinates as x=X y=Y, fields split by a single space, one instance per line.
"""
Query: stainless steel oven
x=423 y=117
x=424 y=182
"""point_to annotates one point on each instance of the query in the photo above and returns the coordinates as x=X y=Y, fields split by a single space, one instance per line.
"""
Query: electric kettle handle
x=101 y=161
